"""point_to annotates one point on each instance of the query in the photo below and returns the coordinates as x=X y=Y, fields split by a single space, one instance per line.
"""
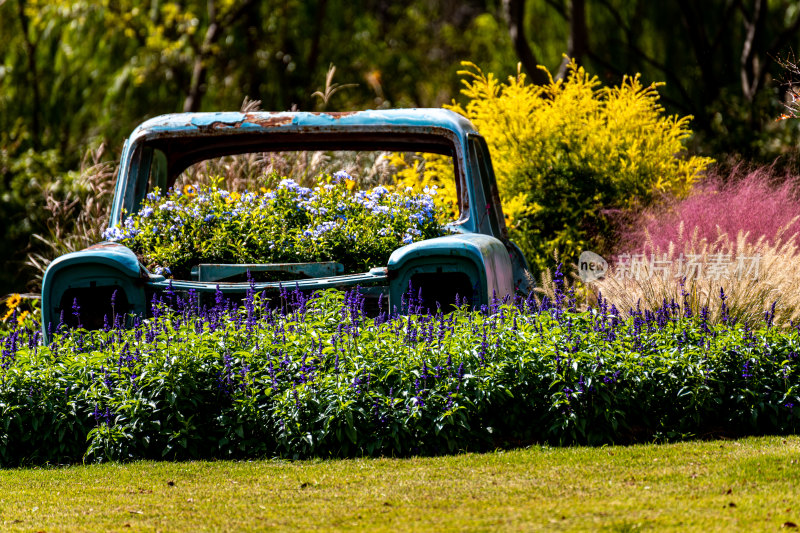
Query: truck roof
x=216 y=123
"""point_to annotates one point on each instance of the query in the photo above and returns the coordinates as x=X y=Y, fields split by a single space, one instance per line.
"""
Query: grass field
x=747 y=485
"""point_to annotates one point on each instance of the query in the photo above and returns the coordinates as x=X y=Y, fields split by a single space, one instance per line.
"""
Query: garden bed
x=315 y=377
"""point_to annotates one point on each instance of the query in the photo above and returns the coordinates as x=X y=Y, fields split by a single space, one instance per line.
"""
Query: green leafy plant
x=313 y=376
x=359 y=229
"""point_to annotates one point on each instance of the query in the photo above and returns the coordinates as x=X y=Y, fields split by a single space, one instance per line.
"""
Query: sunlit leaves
x=568 y=151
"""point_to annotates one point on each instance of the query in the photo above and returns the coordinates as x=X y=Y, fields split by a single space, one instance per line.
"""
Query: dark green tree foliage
x=717 y=57
x=75 y=74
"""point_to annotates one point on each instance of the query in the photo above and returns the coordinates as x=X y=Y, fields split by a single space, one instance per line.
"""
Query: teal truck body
x=476 y=262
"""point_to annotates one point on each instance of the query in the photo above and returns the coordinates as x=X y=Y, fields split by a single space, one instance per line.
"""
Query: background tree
x=718 y=59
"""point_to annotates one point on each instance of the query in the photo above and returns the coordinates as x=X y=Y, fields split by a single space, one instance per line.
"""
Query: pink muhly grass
x=755 y=201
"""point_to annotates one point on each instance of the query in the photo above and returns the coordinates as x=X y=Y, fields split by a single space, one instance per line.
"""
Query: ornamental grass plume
x=693 y=271
x=737 y=233
x=245 y=172
x=78 y=212
x=759 y=201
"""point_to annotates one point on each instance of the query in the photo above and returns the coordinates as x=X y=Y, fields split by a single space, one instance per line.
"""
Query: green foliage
x=315 y=377
x=291 y=224
x=568 y=152
x=22 y=205
x=726 y=70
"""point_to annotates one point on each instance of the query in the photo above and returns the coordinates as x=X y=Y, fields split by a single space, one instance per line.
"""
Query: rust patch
x=335 y=114
x=218 y=125
x=268 y=122
x=339 y=114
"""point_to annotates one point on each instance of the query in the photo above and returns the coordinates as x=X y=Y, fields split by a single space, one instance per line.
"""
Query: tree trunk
x=515 y=18
x=751 y=67
x=30 y=50
x=578 y=44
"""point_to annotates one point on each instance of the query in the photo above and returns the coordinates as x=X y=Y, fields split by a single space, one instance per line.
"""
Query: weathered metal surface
x=217 y=272
x=103 y=265
x=478 y=255
x=110 y=254
x=199 y=123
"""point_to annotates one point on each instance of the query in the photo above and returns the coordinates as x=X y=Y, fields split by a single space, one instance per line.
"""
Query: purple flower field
x=312 y=376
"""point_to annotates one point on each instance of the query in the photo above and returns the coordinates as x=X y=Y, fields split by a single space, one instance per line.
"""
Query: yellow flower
x=7 y=315
x=232 y=198
x=189 y=190
x=22 y=317
x=13 y=301
x=350 y=184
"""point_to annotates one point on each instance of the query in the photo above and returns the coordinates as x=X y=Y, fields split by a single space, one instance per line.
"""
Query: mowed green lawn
x=746 y=485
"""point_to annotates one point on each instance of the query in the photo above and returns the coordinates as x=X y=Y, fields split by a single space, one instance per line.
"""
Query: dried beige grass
x=251 y=171
x=748 y=294
x=78 y=215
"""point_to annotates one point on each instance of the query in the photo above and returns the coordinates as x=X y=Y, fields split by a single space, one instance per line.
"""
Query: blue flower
x=379 y=191
x=113 y=234
x=324 y=228
x=340 y=176
x=288 y=184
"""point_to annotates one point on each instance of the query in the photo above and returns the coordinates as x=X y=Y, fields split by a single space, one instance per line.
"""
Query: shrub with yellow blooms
x=428 y=170
x=569 y=153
